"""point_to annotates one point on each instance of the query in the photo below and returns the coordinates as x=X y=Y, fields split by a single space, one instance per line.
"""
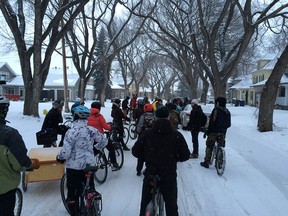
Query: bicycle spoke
x=220 y=161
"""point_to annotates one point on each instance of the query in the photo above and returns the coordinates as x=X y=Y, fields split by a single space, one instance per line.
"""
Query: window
x=11 y=91
x=3 y=76
x=281 y=91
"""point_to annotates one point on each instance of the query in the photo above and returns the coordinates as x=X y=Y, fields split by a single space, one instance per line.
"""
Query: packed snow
x=255 y=181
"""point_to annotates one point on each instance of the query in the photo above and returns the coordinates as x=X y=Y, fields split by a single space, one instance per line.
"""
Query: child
x=78 y=151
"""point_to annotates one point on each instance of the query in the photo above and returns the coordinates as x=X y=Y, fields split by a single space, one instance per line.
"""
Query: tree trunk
x=269 y=94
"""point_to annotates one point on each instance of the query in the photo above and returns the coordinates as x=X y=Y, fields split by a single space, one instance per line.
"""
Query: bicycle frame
x=218 y=154
x=91 y=200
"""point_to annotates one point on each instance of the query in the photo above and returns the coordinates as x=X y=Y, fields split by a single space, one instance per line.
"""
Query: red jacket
x=98 y=121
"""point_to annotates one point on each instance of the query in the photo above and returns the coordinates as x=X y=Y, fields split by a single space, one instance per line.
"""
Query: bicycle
x=156 y=206
x=90 y=201
x=218 y=154
x=132 y=131
x=18 y=202
x=103 y=162
x=115 y=136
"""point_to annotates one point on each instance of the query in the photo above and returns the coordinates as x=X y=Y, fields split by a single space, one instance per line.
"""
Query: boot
x=204 y=164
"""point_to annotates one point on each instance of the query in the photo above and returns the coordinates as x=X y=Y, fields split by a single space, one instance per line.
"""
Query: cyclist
x=118 y=117
x=98 y=121
x=139 y=110
x=146 y=121
x=220 y=120
x=125 y=107
x=161 y=148
x=13 y=160
x=78 y=151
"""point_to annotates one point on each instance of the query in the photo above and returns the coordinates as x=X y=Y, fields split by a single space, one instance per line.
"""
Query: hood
x=162 y=126
x=94 y=111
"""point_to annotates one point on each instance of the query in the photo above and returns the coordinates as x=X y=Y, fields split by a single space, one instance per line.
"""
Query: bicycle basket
x=46 y=136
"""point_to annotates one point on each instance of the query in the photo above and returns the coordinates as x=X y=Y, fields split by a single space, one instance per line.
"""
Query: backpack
x=203 y=119
x=148 y=121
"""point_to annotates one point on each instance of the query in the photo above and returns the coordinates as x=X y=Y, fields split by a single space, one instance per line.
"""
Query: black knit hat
x=117 y=101
x=162 y=112
x=96 y=105
x=221 y=101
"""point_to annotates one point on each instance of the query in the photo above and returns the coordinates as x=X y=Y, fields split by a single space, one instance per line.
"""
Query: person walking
x=194 y=126
x=125 y=107
x=98 y=121
x=161 y=148
x=77 y=152
x=220 y=120
x=13 y=160
x=52 y=121
x=118 y=117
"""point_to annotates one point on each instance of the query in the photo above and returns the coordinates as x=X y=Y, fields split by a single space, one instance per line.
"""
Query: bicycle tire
x=24 y=184
x=18 y=202
x=132 y=131
x=64 y=191
x=119 y=154
x=101 y=162
x=126 y=135
x=220 y=161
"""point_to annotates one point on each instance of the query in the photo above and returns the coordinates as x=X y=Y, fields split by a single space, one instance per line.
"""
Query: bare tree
x=269 y=93
x=43 y=18
x=216 y=21
x=83 y=49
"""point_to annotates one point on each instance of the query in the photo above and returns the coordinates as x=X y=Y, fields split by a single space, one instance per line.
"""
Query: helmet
x=4 y=100
x=117 y=101
x=96 y=105
x=81 y=112
x=148 y=108
x=140 y=102
x=221 y=101
x=4 y=104
x=58 y=103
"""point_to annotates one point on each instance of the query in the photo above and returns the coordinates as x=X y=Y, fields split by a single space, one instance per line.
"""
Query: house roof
x=245 y=83
x=284 y=80
x=2 y=64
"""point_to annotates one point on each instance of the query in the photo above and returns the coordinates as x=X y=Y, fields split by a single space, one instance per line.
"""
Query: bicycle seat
x=89 y=168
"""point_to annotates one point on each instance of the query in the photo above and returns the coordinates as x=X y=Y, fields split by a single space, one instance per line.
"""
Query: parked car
x=210 y=100
x=185 y=115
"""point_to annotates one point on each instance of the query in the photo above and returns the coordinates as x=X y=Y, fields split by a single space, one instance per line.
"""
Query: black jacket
x=195 y=118
x=118 y=116
x=161 y=148
x=52 y=119
x=220 y=120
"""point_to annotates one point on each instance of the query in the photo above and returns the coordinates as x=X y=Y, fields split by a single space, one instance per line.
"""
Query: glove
x=35 y=163
x=60 y=160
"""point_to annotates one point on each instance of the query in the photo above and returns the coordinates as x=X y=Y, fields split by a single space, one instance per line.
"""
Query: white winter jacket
x=78 y=145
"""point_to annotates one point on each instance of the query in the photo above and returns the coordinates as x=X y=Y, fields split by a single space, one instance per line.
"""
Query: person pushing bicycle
x=220 y=120
x=161 y=148
x=13 y=160
x=77 y=152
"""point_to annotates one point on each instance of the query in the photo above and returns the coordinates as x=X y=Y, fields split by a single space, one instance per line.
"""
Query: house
x=248 y=88
x=54 y=85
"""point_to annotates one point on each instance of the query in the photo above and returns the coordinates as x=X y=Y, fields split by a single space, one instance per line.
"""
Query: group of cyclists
x=161 y=146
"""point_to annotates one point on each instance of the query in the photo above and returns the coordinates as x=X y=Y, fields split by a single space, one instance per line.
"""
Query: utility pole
x=66 y=96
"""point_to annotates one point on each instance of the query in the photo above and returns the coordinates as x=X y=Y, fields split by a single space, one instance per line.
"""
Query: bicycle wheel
x=119 y=154
x=220 y=162
x=24 y=184
x=18 y=202
x=213 y=155
x=126 y=135
x=64 y=191
x=132 y=131
x=102 y=172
